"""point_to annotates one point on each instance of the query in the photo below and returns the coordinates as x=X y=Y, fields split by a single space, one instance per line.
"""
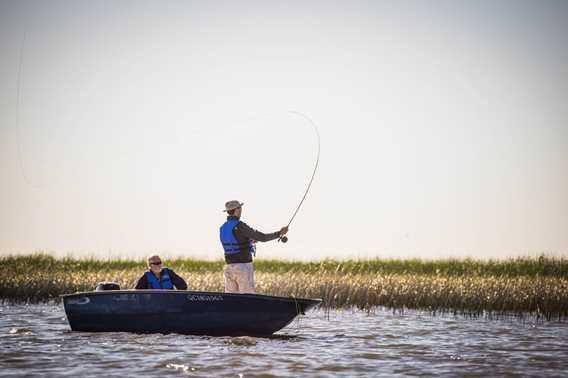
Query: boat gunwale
x=311 y=301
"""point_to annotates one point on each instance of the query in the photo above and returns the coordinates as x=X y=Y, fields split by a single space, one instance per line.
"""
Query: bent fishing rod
x=284 y=238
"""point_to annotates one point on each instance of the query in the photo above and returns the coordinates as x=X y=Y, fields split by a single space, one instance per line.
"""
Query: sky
x=125 y=126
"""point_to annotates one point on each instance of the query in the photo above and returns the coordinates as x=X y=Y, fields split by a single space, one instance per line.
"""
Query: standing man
x=238 y=241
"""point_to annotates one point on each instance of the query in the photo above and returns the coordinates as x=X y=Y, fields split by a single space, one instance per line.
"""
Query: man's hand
x=283 y=231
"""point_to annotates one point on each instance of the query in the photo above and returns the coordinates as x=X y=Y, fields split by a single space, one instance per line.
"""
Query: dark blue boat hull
x=180 y=311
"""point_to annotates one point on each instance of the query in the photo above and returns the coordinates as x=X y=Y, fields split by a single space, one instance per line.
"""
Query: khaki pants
x=239 y=278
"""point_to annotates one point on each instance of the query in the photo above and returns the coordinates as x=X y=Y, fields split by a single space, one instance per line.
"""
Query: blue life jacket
x=230 y=244
x=165 y=279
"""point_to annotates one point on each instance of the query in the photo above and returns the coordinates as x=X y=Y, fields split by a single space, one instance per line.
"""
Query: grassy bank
x=536 y=286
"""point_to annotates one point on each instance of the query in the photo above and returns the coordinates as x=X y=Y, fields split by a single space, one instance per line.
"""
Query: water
x=36 y=340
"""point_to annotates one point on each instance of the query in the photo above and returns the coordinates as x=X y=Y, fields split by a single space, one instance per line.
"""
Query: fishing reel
x=283 y=239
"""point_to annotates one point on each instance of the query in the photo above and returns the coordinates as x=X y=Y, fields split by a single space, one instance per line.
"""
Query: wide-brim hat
x=232 y=205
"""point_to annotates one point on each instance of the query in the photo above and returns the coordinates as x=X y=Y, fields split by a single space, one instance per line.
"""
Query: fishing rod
x=284 y=238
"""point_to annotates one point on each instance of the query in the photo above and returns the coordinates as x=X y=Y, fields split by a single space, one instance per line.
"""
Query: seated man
x=160 y=278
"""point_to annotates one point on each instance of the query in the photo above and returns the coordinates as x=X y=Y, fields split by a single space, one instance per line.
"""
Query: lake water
x=36 y=341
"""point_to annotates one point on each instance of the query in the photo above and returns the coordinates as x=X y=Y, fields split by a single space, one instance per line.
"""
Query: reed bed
x=522 y=266
x=521 y=286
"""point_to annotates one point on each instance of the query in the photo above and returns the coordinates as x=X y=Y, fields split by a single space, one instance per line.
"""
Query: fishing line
x=18 y=127
x=284 y=239
x=18 y=100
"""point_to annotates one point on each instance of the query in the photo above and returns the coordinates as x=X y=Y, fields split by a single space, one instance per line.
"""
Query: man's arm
x=142 y=283
x=177 y=281
x=243 y=229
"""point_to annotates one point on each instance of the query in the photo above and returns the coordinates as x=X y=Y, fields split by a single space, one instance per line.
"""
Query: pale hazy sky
x=444 y=126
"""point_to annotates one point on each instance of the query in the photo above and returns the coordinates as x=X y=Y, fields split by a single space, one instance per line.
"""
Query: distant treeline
x=536 y=286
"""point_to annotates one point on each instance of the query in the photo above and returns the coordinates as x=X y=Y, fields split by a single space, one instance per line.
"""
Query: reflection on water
x=36 y=340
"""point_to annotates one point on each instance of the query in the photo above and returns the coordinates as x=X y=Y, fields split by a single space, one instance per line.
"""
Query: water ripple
x=36 y=340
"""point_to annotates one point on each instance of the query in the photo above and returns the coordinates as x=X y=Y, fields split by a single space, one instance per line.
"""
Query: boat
x=182 y=311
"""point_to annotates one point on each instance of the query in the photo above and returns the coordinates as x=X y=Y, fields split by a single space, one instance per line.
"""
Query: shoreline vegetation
x=521 y=286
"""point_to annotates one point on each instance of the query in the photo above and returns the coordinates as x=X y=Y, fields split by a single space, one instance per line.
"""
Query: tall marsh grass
x=537 y=286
